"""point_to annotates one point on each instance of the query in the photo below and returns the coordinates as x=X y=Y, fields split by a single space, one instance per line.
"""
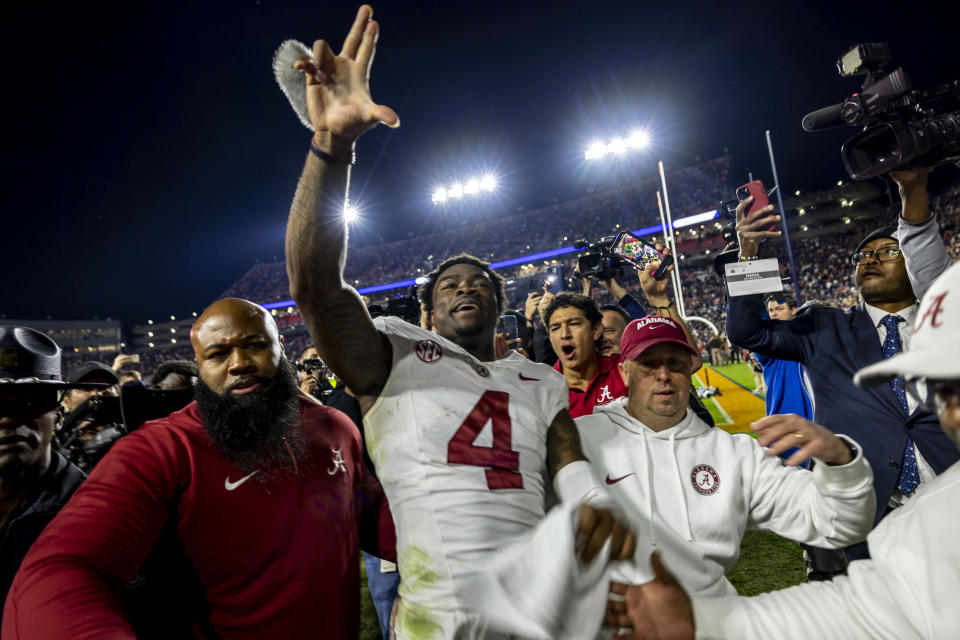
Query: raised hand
x=545 y=301
x=656 y=291
x=780 y=432
x=533 y=302
x=913 y=193
x=338 y=87
x=753 y=228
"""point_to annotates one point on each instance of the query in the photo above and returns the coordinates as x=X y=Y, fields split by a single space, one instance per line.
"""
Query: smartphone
x=555 y=278
x=640 y=254
x=756 y=190
x=507 y=326
x=135 y=357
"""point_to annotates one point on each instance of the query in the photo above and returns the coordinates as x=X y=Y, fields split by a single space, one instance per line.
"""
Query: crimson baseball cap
x=643 y=333
x=935 y=341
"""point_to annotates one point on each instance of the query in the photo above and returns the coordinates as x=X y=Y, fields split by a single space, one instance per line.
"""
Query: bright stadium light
x=472 y=186
x=617 y=146
x=350 y=213
x=596 y=150
x=639 y=139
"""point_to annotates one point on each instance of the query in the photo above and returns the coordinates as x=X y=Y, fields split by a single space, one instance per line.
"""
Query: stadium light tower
x=637 y=140
x=472 y=186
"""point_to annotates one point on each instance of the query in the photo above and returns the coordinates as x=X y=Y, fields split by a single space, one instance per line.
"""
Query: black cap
x=87 y=372
x=883 y=232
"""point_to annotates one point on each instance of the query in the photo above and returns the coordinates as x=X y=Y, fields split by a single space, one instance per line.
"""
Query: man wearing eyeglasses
x=35 y=482
x=903 y=443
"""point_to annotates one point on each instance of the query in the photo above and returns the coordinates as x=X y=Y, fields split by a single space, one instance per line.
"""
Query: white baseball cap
x=935 y=343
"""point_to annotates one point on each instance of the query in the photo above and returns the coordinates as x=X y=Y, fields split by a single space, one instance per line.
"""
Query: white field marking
x=726 y=416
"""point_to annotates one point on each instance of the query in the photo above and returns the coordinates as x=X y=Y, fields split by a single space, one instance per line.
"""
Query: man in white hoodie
x=690 y=491
x=908 y=587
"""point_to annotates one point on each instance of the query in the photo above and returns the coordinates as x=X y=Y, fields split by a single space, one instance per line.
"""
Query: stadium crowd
x=236 y=482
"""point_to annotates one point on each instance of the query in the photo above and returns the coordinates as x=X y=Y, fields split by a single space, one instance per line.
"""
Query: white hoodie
x=691 y=491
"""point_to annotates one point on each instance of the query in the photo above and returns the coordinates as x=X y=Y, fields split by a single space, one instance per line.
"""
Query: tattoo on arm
x=563 y=443
x=316 y=250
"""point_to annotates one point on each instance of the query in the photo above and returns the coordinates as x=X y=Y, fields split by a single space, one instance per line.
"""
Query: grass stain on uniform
x=415 y=569
x=414 y=622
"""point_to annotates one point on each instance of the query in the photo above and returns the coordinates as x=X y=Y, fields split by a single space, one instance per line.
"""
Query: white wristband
x=575 y=483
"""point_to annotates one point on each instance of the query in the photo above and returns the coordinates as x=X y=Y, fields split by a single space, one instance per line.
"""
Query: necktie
x=909 y=475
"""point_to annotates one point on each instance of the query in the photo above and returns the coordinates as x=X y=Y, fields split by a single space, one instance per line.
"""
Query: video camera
x=598 y=259
x=315 y=368
x=902 y=127
x=406 y=308
x=88 y=432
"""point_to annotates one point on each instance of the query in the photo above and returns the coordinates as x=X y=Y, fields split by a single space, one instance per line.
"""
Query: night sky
x=149 y=158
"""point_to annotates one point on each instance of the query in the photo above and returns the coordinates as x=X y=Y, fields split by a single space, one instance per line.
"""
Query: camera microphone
x=824 y=118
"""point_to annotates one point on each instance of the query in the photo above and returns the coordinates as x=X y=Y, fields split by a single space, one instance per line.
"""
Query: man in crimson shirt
x=574 y=325
x=264 y=489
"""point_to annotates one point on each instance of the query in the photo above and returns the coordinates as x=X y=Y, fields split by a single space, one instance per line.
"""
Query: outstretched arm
x=919 y=234
x=657 y=295
x=341 y=109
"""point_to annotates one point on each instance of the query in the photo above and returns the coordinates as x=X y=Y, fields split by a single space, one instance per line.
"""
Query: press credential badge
x=755 y=276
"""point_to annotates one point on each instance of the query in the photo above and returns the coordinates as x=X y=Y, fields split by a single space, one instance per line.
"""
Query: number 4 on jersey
x=502 y=462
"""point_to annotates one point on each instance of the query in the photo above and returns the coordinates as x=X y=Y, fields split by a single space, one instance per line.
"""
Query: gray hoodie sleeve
x=924 y=252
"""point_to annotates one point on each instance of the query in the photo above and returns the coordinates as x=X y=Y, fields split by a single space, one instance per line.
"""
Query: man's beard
x=258 y=430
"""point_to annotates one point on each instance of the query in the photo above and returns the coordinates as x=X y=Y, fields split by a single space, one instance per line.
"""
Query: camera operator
x=93 y=421
x=313 y=375
x=903 y=443
x=91 y=371
x=35 y=481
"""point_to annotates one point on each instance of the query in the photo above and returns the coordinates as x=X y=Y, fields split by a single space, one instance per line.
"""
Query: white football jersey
x=460 y=449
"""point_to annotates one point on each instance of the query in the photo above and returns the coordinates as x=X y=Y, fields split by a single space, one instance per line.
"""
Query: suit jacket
x=833 y=345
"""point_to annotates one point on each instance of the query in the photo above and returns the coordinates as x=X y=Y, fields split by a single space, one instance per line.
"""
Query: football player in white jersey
x=461 y=440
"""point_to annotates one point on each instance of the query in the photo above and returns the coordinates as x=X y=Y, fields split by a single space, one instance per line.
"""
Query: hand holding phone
x=755 y=218
x=755 y=190
x=640 y=254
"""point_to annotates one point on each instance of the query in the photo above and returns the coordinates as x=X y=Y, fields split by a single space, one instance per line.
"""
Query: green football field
x=767 y=561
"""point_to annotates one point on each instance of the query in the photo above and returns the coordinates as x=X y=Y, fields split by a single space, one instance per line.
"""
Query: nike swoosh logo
x=609 y=481
x=523 y=377
x=230 y=486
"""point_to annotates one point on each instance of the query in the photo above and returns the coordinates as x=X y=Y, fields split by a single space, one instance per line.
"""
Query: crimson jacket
x=275 y=560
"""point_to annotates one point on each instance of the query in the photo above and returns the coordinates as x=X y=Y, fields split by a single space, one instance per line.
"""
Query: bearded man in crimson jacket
x=264 y=489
